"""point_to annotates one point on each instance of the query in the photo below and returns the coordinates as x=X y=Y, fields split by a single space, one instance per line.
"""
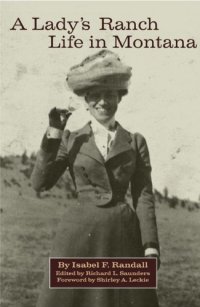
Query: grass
x=29 y=225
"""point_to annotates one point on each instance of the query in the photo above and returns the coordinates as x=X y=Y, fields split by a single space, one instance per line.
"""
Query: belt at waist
x=99 y=198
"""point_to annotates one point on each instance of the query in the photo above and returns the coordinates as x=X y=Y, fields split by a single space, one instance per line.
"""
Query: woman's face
x=102 y=104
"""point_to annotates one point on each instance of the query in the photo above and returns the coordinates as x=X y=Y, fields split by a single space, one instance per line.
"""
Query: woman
x=103 y=159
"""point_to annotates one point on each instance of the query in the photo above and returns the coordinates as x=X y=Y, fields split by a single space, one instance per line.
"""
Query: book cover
x=40 y=42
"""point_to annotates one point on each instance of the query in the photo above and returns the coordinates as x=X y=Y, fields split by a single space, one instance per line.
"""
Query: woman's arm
x=52 y=158
x=142 y=194
x=51 y=162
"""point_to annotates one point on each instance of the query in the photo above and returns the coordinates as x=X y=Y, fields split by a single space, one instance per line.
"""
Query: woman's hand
x=58 y=118
x=158 y=259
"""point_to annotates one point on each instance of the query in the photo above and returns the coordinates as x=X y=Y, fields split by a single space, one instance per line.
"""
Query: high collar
x=98 y=127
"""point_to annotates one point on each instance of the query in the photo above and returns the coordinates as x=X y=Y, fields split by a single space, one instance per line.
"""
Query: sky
x=163 y=102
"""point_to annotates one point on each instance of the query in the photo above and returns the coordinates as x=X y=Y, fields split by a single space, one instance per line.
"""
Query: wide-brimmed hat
x=103 y=69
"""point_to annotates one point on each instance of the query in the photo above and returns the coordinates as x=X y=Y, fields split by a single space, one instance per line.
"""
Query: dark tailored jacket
x=99 y=182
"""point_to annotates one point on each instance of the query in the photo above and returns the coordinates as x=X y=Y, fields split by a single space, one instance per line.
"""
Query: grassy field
x=29 y=224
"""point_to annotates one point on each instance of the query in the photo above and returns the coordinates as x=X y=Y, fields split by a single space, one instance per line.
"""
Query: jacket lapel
x=88 y=146
x=121 y=143
x=85 y=138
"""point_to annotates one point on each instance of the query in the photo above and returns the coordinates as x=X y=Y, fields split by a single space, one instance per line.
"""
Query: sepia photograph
x=100 y=149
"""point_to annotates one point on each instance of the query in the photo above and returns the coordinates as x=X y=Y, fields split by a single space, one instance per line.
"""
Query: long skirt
x=91 y=231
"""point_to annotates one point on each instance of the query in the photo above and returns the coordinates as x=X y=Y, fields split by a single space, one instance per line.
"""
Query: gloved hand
x=58 y=118
x=158 y=259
